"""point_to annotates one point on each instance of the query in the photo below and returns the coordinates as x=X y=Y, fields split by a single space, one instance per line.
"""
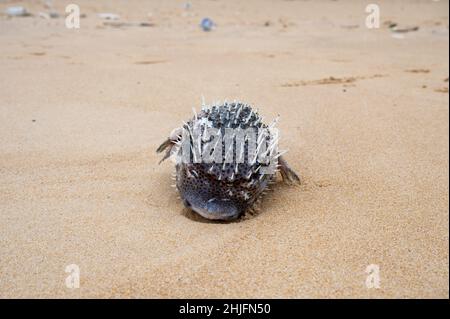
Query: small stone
x=187 y=5
x=17 y=12
x=146 y=24
x=108 y=16
x=207 y=24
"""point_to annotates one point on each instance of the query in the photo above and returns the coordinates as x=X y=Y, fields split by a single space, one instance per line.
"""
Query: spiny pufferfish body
x=225 y=159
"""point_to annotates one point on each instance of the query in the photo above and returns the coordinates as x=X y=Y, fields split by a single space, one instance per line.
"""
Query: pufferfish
x=229 y=184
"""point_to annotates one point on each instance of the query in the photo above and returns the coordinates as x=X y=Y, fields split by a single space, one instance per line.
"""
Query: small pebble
x=187 y=5
x=44 y=15
x=47 y=16
x=108 y=16
x=207 y=24
x=146 y=24
x=17 y=12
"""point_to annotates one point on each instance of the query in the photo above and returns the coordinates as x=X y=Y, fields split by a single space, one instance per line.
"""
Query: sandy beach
x=363 y=112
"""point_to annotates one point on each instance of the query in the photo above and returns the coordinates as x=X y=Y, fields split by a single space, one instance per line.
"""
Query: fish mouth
x=214 y=215
x=215 y=210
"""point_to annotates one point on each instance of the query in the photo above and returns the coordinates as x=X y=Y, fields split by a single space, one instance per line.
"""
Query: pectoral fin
x=287 y=173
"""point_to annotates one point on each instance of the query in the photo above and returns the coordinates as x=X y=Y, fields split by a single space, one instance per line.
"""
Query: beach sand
x=364 y=114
